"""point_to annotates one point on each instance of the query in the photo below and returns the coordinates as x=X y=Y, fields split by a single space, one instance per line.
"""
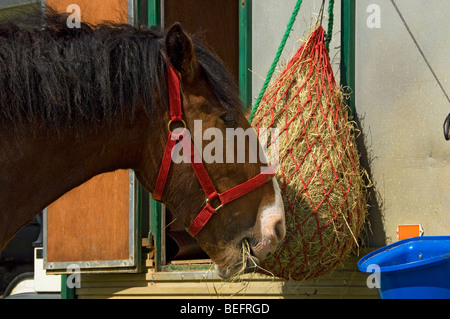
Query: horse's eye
x=228 y=119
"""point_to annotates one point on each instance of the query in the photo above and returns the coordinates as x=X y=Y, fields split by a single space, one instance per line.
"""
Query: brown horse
x=75 y=103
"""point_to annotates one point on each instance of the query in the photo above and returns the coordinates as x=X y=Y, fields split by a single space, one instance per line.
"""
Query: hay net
x=318 y=164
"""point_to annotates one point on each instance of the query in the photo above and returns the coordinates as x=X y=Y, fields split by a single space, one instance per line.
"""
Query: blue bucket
x=414 y=268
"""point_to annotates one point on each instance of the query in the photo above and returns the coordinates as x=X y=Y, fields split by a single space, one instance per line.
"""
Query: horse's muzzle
x=250 y=265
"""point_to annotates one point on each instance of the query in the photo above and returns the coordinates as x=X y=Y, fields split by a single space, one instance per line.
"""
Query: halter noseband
x=176 y=116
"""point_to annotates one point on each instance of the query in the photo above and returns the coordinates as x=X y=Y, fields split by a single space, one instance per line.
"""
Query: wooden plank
x=95 y=11
x=338 y=278
x=91 y=221
x=225 y=289
x=190 y=262
x=217 y=22
x=342 y=283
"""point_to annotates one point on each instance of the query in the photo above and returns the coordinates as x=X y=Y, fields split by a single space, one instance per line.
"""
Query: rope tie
x=282 y=45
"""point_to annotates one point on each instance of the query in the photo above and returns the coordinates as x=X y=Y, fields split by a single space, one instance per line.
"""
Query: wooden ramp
x=344 y=283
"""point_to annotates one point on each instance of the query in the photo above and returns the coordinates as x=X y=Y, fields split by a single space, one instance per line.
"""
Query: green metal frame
x=155 y=230
x=153 y=12
x=245 y=52
x=66 y=292
x=153 y=18
x=348 y=19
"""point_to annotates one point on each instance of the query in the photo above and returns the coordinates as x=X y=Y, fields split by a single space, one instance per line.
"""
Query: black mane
x=61 y=76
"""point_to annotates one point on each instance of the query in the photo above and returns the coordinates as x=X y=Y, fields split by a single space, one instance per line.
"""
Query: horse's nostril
x=280 y=230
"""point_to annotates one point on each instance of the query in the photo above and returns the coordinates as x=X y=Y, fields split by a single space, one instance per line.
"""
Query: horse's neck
x=38 y=168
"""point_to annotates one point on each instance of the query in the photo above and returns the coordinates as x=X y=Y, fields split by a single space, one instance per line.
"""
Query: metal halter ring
x=176 y=121
x=215 y=209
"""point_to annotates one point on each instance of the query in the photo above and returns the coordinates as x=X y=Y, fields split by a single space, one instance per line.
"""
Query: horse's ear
x=180 y=51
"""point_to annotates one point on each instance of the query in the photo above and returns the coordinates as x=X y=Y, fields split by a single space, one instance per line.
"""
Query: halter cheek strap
x=176 y=116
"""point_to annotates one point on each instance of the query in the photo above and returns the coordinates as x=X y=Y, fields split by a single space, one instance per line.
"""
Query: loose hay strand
x=246 y=254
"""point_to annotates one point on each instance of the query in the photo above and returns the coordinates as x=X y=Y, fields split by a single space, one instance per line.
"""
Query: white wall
x=270 y=18
x=12 y=3
x=402 y=110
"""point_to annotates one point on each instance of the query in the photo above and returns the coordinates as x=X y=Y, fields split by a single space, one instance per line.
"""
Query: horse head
x=211 y=112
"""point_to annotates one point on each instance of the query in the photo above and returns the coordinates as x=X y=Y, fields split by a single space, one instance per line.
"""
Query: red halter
x=176 y=116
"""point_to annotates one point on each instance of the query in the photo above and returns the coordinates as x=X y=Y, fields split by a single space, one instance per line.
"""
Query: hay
x=322 y=183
